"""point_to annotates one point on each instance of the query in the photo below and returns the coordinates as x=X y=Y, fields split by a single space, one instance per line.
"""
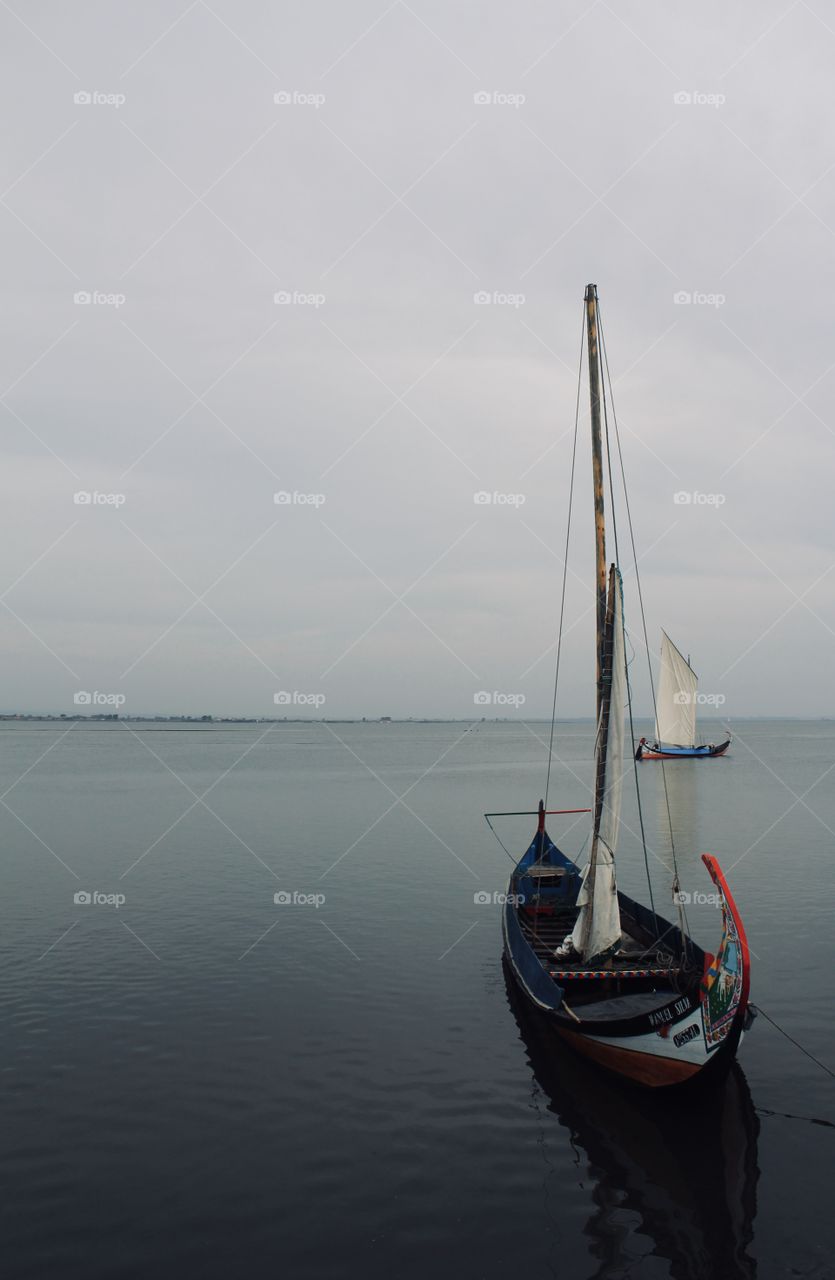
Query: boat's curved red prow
x=728 y=977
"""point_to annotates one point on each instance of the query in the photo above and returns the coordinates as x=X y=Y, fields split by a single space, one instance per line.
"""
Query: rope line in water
x=788 y=1115
x=797 y=1043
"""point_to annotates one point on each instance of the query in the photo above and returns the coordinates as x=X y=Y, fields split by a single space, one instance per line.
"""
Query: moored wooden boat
x=657 y=1009
x=617 y=981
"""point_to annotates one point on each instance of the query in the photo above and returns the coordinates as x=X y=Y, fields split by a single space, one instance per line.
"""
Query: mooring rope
x=756 y=1008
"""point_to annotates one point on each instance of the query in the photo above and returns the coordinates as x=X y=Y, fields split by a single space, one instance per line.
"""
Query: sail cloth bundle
x=598 y=929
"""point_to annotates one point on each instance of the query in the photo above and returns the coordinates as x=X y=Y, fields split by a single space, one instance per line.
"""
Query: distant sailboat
x=675 y=712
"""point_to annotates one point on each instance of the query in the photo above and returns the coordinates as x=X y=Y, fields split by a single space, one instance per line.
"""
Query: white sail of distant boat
x=598 y=925
x=675 y=710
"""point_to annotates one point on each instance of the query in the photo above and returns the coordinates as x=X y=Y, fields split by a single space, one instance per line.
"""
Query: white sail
x=598 y=924
x=675 y=709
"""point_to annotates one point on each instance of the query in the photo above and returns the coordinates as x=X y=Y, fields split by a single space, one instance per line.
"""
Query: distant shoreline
x=206 y=720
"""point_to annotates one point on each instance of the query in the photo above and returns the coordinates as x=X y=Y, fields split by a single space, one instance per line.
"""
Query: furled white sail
x=598 y=924
x=675 y=711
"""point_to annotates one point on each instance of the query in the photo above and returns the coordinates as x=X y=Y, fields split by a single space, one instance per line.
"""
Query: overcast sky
x=381 y=193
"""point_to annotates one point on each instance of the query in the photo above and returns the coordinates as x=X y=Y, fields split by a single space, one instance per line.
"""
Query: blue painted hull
x=664 y=752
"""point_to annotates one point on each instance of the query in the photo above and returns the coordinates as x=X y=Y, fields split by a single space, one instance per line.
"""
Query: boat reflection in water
x=685 y=1163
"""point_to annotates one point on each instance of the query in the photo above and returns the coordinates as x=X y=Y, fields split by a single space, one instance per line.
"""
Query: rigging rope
x=498 y=837
x=681 y=912
x=565 y=564
x=603 y=380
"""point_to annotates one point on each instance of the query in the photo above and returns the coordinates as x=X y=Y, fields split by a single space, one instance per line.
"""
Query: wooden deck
x=546 y=932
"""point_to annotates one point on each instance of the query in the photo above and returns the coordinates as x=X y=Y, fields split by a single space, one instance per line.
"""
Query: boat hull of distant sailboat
x=656 y=752
x=641 y=1015
x=675 y=712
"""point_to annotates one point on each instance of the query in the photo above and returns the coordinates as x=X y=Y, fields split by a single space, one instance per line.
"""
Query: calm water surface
x=205 y=1082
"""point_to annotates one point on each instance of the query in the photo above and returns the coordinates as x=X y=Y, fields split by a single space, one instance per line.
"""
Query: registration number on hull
x=688 y=1034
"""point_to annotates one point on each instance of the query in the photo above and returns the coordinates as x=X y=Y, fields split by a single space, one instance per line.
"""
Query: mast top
x=597 y=478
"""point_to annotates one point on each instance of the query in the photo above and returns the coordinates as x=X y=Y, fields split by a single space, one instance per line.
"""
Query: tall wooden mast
x=597 y=476
x=600 y=778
